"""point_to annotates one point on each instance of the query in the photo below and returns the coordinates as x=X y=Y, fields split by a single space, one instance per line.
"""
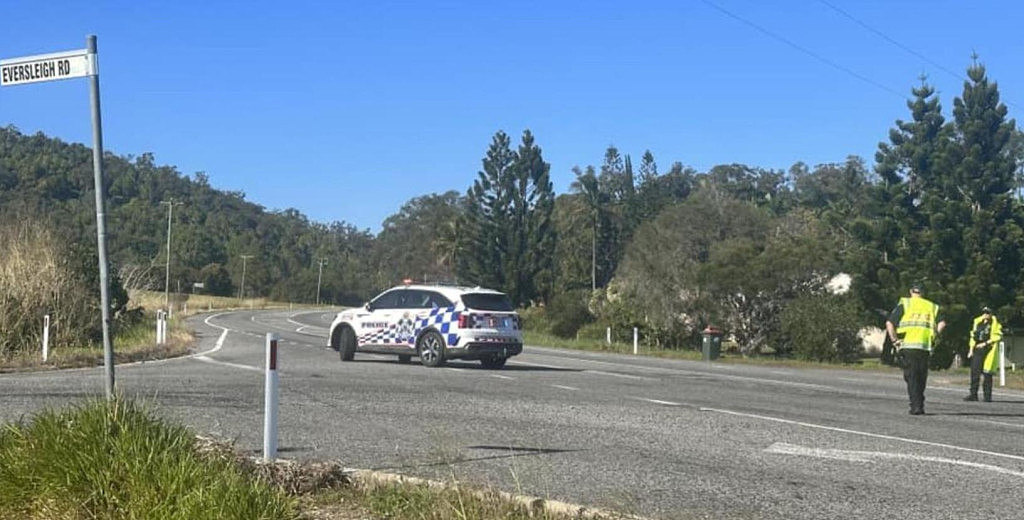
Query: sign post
x=66 y=65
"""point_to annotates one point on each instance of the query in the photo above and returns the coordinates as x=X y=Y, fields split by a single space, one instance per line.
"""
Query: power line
x=806 y=51
x=893 y=41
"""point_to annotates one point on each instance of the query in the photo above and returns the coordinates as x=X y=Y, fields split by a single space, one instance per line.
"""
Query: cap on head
x=986 y=310
x=915 y=288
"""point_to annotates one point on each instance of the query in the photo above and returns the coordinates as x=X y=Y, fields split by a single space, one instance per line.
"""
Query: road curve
x=660 y=438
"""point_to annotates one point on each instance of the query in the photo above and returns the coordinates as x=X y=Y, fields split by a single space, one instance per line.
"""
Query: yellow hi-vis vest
x=917 y=323
x=989 y=365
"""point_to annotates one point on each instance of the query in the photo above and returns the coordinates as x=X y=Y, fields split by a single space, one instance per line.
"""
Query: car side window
x=388 y=300
x=436 y=300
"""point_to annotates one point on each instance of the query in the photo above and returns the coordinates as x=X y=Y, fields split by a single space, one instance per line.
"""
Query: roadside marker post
x=46 y=338
x=608 y=334
x=1002 y=363
x=636 y=341
x=270 y=401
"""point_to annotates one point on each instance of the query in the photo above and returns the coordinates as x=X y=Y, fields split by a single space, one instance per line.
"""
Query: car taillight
x=465 y=321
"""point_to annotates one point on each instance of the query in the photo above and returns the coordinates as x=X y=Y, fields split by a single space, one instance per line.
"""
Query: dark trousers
x=977 y=362
x=915 y=373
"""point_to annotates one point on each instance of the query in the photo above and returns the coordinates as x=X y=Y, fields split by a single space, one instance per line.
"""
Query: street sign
x=47 y=67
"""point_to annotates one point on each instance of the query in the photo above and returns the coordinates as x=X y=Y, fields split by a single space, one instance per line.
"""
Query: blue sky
x=345 y=110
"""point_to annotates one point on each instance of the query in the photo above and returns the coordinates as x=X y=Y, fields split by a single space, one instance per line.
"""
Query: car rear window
x=487 y=302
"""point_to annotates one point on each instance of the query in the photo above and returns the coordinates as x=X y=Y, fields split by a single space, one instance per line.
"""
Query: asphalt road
x=660 y=438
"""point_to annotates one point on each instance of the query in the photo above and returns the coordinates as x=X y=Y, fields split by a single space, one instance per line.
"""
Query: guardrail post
x=46 y=338
x=270 y=400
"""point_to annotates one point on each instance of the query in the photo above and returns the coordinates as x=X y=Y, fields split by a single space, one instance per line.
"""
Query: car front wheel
x=431 y=349
x=347 y=344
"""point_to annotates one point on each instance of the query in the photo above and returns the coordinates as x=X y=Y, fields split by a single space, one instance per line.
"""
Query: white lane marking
x=304 y=325
x=225 y=363
x=542 y=365
x=999 y=423
x=624 y=376
x=499 y=376
x=869 y=456
x=563 y=387
x=252 y=318
x=220 y=341
x=657 y=401
x=865 y=434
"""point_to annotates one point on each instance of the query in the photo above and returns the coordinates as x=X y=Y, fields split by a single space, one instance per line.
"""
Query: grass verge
x=115 y=460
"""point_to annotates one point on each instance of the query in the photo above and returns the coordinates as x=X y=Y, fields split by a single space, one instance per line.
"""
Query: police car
x=435 y=323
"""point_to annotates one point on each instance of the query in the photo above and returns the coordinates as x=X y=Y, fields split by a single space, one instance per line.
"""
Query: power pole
x=167 y=278
x=241 y=292
x=318 y=278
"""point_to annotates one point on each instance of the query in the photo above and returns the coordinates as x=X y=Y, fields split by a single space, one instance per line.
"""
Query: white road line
x=624 y=376
x=865 y=434
x=563 y=387
x=542 y=365
x=869 y=456
x=499 y=376
x=225 y=363
x=999 y=423
x=657 y=401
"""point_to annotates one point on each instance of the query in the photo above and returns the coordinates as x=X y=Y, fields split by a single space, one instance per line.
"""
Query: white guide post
x=270 y=401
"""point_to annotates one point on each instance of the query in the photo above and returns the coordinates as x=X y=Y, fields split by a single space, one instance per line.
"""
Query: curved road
x=660 y=438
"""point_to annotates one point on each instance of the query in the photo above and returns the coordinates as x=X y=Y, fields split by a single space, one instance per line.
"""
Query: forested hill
x=48 y=180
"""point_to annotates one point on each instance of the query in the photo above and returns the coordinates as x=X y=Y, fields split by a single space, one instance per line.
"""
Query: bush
x=568 y=312
x=536 y=319
x=823 y=328
x=113 y=460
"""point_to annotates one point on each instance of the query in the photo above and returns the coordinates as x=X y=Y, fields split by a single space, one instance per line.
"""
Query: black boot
x=972 y=397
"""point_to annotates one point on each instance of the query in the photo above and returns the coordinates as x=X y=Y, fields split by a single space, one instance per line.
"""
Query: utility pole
x=318 y=278
x=241 y=292
x=167 y=270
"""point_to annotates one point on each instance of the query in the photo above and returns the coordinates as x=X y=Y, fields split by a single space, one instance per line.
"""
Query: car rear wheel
x=493 y=362
x=431 y=349
x=347 y=344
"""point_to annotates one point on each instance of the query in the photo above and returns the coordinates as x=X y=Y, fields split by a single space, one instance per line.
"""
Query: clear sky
x=344 y=110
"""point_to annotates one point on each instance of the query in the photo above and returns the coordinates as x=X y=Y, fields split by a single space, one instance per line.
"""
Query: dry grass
x=192 y=303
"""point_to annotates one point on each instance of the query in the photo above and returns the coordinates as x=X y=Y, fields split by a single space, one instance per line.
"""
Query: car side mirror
x=368 y=306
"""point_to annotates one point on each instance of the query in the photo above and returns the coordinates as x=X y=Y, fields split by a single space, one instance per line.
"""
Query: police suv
x=435 y=323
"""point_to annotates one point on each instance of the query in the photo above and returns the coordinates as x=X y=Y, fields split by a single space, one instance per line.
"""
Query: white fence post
x=1002 y=363
x=270 y=401
x=46 y=338
x=636 y=342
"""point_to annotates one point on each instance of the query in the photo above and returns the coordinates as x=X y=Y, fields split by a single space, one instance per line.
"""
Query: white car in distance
x=433 y=322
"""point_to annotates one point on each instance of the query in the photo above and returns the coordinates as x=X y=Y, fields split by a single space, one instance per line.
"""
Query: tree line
x=751 y=250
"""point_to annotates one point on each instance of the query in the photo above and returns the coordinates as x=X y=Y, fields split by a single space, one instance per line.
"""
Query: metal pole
x=46 y=337
x=270 y=400
x=318 y=278
x=101 y=228
x=241 y=291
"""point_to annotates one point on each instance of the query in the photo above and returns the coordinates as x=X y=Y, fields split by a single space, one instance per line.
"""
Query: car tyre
x=431 y=349
x=493 y=362
x=347 y=344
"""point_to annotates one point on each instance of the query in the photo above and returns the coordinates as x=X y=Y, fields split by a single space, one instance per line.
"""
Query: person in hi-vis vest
x=912 y=327
x=984 y=350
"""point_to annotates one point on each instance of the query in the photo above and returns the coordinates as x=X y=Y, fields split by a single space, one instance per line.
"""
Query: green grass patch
x=113 y=460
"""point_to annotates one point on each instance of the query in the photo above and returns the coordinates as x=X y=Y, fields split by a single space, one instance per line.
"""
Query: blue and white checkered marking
x=444 y=319
x=406 y=330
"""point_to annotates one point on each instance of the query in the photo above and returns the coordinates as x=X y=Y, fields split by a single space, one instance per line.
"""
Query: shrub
x=823 y=328
x=568 y=312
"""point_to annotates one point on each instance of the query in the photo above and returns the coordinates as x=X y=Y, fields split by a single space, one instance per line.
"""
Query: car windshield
x=487 y=302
